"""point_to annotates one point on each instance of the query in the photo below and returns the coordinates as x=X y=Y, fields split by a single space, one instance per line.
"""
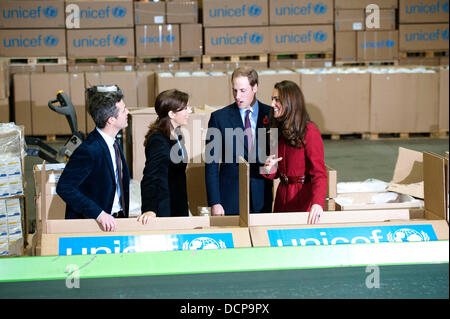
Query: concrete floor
x=354 y=160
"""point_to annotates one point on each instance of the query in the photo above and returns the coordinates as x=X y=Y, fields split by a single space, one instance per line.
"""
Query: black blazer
x=88 y=184
x=163 y=186
x=222 y=177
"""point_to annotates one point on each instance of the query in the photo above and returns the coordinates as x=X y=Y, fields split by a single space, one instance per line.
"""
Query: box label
x=26 y=14
x=350 y=235
x=426 y=36
x=143 y=243
x=301 y=38
x=236 y=40
x=234 y=13
x=418 y=11
x=50 y=42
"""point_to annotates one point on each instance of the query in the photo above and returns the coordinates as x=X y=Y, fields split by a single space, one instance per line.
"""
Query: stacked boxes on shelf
x=366 y=32
x=168 y=36
x=423 y=32
x=236 y=32
x=12 y=215
x=301 y=33
x=4 y=91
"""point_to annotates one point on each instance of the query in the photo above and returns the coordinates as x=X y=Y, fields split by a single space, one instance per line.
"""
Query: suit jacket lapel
x=106 y=153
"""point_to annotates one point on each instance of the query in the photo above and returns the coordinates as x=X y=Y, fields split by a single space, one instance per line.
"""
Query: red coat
x=308 y=160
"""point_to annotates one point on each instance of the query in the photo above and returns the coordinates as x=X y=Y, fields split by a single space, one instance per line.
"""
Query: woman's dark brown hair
x=292 y=124
x=169 y=100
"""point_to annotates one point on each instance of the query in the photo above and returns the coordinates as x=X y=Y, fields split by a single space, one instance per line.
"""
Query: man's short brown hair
x=247 y=72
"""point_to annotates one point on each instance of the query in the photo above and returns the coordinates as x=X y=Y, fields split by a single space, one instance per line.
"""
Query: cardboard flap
x=244 y=192
x=408 y=173
x=434 y=184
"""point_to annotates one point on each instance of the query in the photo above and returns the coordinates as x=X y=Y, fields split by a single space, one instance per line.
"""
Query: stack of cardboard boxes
x=301 y=33
x=168 y=35
x=364 y=32
x=423 y=32
x=4 y=91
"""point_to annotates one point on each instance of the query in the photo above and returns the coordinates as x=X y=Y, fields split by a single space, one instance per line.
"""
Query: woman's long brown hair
x=292 y=124
x=169 y=100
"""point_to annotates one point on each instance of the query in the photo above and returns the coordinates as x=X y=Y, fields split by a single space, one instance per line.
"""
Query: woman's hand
x=270 y=163
x=314 y=214
x=145 y=217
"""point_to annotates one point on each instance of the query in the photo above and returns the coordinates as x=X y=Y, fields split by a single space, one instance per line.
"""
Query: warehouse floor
x=353 y=159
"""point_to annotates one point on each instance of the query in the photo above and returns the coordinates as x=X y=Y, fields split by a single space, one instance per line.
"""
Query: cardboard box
x=157 y=40
x=387 y=20
x=349 y=20
x=397 y=102
x=443 y=99
x=345 y=46
x=126 y=80
x=267 y=80
x=145 y=88
x=141 y=241
x=417 y=37
x=39 y=14
x=100 y=42
x=102 y=14
x=306 y=63
x=4 y=110
x=287 y=39
x=218 y=13
x=22 y=102
x=331 y=97
x=435 y=185
x=423 y=11
x=182 y=12
x=362 y=4
x=300 y=12
x=372 y=200
x=377 y=45
x=191 y=39
x=4 y=79
x=32 y=43
x=237 y=40
x=149 y=12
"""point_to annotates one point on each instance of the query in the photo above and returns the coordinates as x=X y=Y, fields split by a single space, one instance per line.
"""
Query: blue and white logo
x=161 y=38
x=445 y=34
x=251 y=11
x=256 y=38
x=308 y=37
x=51 y=12
x=120 y=40
x=320 y=8
x=421 y=35
x=427 y=8
x=143 y=243
x=308 y=10
x=119 y=12
x=320 y=36
x=350 y=235
x=377 y=45
x=51 y=41
x=254 y=10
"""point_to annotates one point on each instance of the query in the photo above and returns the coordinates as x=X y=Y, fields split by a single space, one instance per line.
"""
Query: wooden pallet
x=101 y=60
x=353 y=136
x=300 y=56
x=402 y=135
x=37 y=60
x=242 y=58
x=366 y=63
x=426 y=54
x=168 y=59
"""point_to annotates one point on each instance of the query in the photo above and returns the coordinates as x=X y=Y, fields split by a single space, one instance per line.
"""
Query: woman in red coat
x=301 y=165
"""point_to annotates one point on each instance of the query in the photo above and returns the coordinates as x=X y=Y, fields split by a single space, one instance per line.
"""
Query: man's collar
x=108 y=139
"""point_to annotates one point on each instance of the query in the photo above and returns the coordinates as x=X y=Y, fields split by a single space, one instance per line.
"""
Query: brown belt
x=295 y=179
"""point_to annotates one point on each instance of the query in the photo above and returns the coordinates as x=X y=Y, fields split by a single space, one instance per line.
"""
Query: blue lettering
x=294 y=10
x=424 y=36
x=21 y=13
x=427 y=9
x=294 y=38
x=21 y=42
x=229 y=40
x=91 y=42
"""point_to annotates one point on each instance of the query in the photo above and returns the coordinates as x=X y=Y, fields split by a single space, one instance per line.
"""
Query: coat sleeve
x=213 y=149
x=155 y=194
x=77 y=170
x=316 y=164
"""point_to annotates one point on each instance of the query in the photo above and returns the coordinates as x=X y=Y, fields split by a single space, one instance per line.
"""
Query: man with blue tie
x=95 y=182
x=249 y=116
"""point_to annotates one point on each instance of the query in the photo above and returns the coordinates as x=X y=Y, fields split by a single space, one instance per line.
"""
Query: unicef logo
x=51 y=12
x=320 y=36
x=119 y=12
x=203 y=243
x=389 y=44
x=51 y=41
x=170 y=38
x=256 y=38
x=406 y=235
x=119 y=40
x=445 y=34
x=254 y=10
x=445 y=7
x=320 y=8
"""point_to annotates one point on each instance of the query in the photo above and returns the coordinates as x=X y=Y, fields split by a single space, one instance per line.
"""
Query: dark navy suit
x=222 y=176
x=87 y=184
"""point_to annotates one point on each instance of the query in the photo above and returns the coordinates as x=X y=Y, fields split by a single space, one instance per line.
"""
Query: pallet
x=337 y=137
x=366 y=63
x=168 y=59
x=403 y=135
x=242 y=58
x=37 y=60
x=427 y=54
x=300 y=56
x=101 y=60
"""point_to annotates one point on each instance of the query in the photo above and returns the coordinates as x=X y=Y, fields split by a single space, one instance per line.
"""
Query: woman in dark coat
x=163 y=186
x=301 y=165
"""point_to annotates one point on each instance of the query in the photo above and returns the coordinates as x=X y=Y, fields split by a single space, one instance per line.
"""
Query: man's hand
x=146 y=217
x=107 y=222
x=314 y=214
x=217 y=210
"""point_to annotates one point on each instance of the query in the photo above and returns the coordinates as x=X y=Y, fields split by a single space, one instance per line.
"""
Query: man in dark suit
x=224 y=145
x=95 y=182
